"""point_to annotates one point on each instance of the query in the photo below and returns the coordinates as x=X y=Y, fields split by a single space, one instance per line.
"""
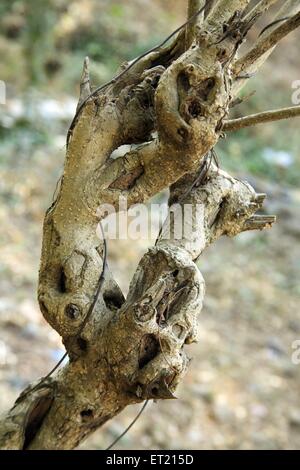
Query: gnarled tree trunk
x=173 y=105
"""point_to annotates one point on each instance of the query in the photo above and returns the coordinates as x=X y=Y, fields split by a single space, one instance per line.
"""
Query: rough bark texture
x=172 y=105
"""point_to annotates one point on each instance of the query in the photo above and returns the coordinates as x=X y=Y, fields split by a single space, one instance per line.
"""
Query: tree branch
x=289 y=8
x=136 y=352
x=193 y=7
x=259 y=9
x=223 y=11
x=169 y=106
x=85 y=86
x=209 y=6
x=264 y=44
x=259 y=222
x=260 y=118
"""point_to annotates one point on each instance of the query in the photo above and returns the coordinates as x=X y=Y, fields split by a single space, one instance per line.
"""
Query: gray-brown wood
x=172 y=104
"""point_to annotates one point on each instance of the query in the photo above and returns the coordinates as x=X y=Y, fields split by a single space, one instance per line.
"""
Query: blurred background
x=242 y=388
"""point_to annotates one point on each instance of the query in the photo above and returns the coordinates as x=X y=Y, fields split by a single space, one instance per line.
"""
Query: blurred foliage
x=261 y=150
x=51 y=37
x=43 y=43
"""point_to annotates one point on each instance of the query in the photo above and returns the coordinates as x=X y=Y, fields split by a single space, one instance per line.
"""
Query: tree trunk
x=172 y=104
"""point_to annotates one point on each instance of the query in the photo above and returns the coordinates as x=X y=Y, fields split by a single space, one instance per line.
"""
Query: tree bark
x=172 y=105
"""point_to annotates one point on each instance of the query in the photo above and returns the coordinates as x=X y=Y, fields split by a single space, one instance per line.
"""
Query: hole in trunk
x=183 y=133
x=86 y=415
x=62 y=281
x=35 y=418
x=112 y=300
x=148 y=350
x=195 y=109
x=83 y=344
x=206 y=87
x=184 y=81
x=72 y=311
